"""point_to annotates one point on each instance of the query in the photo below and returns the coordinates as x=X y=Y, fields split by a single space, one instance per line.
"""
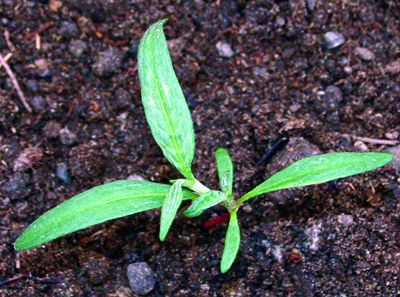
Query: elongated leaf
x=225 y=170
x=205 y=201
x=170 y=207
x=97 y=205
x=232 y=243
x=319 y=169
x=164 y=104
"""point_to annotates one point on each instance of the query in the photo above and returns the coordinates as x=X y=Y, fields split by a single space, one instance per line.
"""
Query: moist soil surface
x=255 y=74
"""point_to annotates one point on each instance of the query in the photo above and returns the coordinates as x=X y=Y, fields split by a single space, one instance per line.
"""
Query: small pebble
x=311 y=4
x=224 y=49
x=333 y=39
x=364 y=54
x=361 y=146
x=280 y=21
x=62 y=173
x=333 y=97
x=42 y=64
x=107 y=62
x=122 y=98
x=393 y=67
x=32 y=85
x=77 y=47
x=67 y=137
x=38 y=103
x=261 y=72
x=392 y=135
x=52 y=129
x=135 y=177
x=141 y=278
x=69 y=29
x=55 y=5
x=345 y=220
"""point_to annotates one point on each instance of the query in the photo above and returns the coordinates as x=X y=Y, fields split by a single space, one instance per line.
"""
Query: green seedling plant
x=168 y=116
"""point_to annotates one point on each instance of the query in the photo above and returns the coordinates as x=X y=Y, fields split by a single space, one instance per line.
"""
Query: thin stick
x=9 y=44
x=372 y=140
x=15 y=83
x=45 y=281
x=6 y=58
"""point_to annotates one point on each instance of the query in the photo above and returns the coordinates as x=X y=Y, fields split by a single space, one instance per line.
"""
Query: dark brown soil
x=88 y=128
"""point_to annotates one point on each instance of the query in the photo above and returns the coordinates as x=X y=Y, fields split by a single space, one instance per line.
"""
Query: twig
x=9 y=44
x=43 y=28
x=372 y=140
x=15 y=83
x=45 y=281
x=8 y=56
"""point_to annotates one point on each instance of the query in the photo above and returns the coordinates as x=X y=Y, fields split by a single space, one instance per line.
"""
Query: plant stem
x=198 y=187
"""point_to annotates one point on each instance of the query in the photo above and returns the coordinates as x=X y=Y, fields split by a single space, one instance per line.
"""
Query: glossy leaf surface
x=225 y=170
x=205 y=201
x=170 y=207
x=97 y=205
x=165 y=107
x=232 y=243
x=319 y=169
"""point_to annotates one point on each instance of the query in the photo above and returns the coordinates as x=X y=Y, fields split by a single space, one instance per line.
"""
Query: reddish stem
x=218 y=220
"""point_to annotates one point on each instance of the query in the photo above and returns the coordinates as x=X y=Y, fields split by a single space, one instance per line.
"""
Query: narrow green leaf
x=205 y=201
x=164 y=103
x=97 y=205
x=232 y=243
x=225 y=170
x=319 y=169
x=170 y=207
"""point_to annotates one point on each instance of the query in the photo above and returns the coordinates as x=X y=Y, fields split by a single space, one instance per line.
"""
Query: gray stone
x=107 y=62
x=393 y=67
x=77 y=47
x=67 y=137
x=141 y=278
x=69 y=29
x=364 y=54
x=333 y=97
x=38 y=103
x=311 y=4
x=333 y=39
x=32 y=85
x=62 y=173
x=52 y=129
x=224 y=49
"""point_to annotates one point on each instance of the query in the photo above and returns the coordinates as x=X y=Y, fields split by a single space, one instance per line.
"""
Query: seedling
x=170 y=122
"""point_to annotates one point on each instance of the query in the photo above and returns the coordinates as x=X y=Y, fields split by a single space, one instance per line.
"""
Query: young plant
x=170 y=122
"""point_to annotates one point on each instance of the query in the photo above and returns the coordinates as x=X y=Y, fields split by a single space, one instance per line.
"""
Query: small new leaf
x=97 y=205
x=319 y=169
x=225 y=170
x=232 y=243
x=205 y=201
x=164 y=104
x=170 y=207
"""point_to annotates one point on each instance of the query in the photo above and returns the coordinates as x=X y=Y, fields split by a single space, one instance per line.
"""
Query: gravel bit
x=364 y=54
x=77 y=47
x=69 y=29
x=52 y=129
x=224 y=49
x=67 y=137
x=333 y=39
x=107 y=62
x=62 y=173
x=393 y=67
x=311 y=4
x=141 y=278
